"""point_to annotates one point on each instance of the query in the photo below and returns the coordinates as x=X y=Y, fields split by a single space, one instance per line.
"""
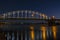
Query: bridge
x=24 y=16
x=33 y=22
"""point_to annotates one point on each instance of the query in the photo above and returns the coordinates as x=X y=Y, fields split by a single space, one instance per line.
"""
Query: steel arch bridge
x=33 y=16
x=24 y=14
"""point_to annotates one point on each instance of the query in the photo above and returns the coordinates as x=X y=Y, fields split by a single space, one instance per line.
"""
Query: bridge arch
x=24 y=14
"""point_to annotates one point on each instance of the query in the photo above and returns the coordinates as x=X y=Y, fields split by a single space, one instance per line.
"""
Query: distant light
x=53 y=17
x=32 y=14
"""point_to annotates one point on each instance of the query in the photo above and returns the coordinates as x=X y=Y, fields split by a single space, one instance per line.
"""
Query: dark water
x=29 y=32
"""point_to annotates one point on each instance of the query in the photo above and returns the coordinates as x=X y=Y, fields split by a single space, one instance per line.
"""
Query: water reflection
x=44 y=33
x=32 y=32
x=54 y=30
x=43 y=29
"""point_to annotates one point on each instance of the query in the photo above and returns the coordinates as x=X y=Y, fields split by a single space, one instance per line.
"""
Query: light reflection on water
x=54 y=30
x=44 y=33
x=43 y=29
x=32 y=32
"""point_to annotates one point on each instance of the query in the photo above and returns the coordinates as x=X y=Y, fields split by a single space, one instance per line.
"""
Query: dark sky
x=49 y=7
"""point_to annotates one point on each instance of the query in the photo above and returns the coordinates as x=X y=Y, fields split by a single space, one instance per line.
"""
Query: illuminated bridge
x=28 y=25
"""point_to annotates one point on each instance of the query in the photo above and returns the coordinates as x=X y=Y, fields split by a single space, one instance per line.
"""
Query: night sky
x=49 y=7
